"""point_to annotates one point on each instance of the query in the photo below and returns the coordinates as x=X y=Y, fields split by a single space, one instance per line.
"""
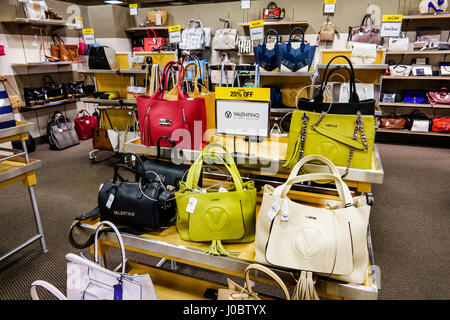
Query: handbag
x=52 y=91
x=208 y=33
x=414 y=96
x=224 y=75
x=88 y=280
x=61 y=132
x=400 y=70
x=363 y=53
x=393 y=122
x=157 y=17
x=399 y=44
x=354 y=104
x=237 y=292
x=327 y=32
x=329 y=240
x=35 y=9
x=160 y=117
x=275 y=96
x=153 y=43
x=100 y=137
x=366 y=33
x=268 y=60
x=74 y=89
x=225 y=38
x=290 y=93
x=299 y=59
x=440 y=124
x=365 y=91
x=85 y=125
x=422 y=70
x=444 y=68
x=102 y=57
x=34 y=96
x=30 y=144
x=193 y=38
x=245 y=46
x=439 y=97
x=389 y=97
x=216 y=216
x=273 y=12
x=7 y=119
x=419 y=122
x=14 y=99
x=143 y=203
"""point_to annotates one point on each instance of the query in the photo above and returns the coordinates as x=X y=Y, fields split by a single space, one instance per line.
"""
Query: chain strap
x=305 y=120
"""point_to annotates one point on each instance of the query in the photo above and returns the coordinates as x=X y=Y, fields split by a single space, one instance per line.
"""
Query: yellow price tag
x=392 y=17
x=133 y=5
x=78 y=18
x=330 y=1
x=256 y=23
x=247 y=94
x=88 y=31
x=174 y=28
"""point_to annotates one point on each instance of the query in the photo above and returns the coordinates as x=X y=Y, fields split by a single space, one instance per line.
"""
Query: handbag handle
x=165 y=78
x=265 y=37
x=366 y=19
x=270 y=273
x=84 y=113
x=196 y=92
x=302 y=46
x=139 y=170
x=119 y=238
x=296 y=169
x=47 y=286
x=154 y=35
x=51 y=80
x=158 y=145
x=195 y=170
x=272 y=5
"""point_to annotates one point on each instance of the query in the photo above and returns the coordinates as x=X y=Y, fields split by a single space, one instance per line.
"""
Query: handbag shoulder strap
x=47 y=286
x=270 y=273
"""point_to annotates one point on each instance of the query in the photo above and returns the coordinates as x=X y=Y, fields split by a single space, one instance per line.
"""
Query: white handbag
x=329 y=240
x=193 y=38
x=208 y=33
x=341 y=91
x=226 y=38
x=399 y=44
x=35 y=9
x=400 y=70
x=88 y=280
x=363 y=53
x=224 y=77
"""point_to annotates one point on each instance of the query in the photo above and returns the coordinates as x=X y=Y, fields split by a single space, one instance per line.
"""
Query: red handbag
x=84 y=125
x=153 y=43
x=183 y=119
x=440 y=125
x=440 y=97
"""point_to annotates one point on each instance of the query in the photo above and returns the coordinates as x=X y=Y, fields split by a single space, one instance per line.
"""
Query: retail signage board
x=391 y=25
x=88 y=36
x=79 y=22
x=256 y=30
x=245 y=4
x=329 y=6
x=243 y=118
x=246 y=94
x=174 y=33
x=133 y=9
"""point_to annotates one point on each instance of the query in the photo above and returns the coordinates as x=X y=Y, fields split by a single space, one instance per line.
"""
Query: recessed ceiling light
x=114 y=1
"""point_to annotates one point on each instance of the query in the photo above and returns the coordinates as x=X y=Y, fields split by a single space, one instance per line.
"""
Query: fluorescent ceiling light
x=114 y=1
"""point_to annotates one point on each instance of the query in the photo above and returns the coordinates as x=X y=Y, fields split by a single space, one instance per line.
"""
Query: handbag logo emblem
x=228 y=114
x=331 y=125
x=124 y=213
x=216 y=219
x=165 y=122
x=328 y=149
x=308 y=242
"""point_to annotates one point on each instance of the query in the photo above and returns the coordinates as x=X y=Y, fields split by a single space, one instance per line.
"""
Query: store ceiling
x=148 y=3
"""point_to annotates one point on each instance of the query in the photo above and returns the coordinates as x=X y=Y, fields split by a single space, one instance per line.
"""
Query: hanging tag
x=88 y=36
x=133 y=9
x=158 y=19
x=175 y=34
x=391 y=26
x=222 y=189
x=191 y=205
x=273 y=210
x=60 y=130
x=110 y=201
x=329 y=6
x=79 y=22
x=285 y=210
x=118 y=291
x=245 y=4
x=256 y=30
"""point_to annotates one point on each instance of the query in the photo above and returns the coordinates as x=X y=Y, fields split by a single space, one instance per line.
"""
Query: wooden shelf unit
x=413 y=105
x=414 y=53
x=427 y=16
x=393 y=131
x=441 y=78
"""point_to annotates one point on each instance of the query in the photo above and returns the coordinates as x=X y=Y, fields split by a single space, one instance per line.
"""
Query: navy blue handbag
x=267 y=59
x=296 y=59
x=275 y=97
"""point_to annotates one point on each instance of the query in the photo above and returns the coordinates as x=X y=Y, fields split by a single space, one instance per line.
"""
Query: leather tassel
x=217 y=249
x=305 y=290
x=295 y=155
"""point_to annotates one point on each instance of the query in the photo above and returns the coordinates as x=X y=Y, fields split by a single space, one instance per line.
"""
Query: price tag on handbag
x=391 y=25
x=110 y=201
x=256 y=30
x=329 y=6
x=133 y=9
x=191 y=205
x=273 y=210
x=88 y=36
x=175 y=34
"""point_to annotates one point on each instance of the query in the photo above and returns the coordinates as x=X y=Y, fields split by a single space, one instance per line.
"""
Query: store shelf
x=246 y=54
x=41 y=64
x=115 y=102
x=283 y=74
x=303 y=24
x=439 y=78
x=137 y=29
x=427 y=16
x=407 y=132
x=357 y=66
x=414 y=53
x=413 y=105
x=121 y=71
x=39 y=23
x=48 y=105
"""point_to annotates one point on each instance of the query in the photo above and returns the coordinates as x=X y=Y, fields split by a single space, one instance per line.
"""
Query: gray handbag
x=61 y=132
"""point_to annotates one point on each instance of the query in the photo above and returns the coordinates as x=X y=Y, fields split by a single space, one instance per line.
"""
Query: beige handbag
x=327 y=32
x=329 y=240
x=237 y=292
x=363 y=53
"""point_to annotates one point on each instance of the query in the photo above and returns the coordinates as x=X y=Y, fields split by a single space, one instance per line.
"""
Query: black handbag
x=140 y=204
x=366 y=107
x=74 y=89
x=53 y=91
x=101 y=57
x=34 y=96
x=169 y=173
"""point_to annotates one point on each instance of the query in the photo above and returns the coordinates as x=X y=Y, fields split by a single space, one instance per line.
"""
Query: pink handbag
x=439 y=97
x=366 y=33
x=159 y=117
x=153 y=43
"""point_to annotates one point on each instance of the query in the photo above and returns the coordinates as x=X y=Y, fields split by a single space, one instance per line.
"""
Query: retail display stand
x=19 y=167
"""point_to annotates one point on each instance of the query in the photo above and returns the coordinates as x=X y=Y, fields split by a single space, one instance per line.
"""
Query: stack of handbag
x=182 y=119
x=61 y=132
x=328 y=240
x=286 y=57
x=344 y=132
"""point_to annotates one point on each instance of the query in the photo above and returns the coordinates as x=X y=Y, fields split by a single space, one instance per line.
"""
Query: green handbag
x=211 y=215
x=346 y=140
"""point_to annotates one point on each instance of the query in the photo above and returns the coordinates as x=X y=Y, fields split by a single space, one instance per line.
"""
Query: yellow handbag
x=346 y=140
x=205 y=215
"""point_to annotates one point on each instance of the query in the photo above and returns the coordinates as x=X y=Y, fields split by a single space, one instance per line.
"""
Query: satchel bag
x=363 y=53
x=365 y=91
x=393 y=122
x=439 y=97
x=159 y=117
x=440 y=124
x=237 y=292
x=354 y=104
x=419 y=122
x=268 y=60
x=226 y=38
x=141 y=204
x=214 y=215
x=193 y=38
x=208 y=33
x=153 y=19
x=52 y=91
x=444 y=68
x=366 y=33
x=85 y=125
x=399 y=44
x=272 y=12
x=329 y=240
x=400 y=70
x=100 y=137
x=61 y=132
x=299 y=59
x=389 y=97
x=102 y=57
x=153 y=43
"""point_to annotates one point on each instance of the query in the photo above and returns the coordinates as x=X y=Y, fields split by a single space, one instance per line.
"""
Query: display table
x=18 y=167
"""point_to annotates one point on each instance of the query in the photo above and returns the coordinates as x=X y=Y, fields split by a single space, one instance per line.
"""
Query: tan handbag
x=328 y=239
x=327 y=32
x=237 y=292
x=290 y=93
x=157 y=17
